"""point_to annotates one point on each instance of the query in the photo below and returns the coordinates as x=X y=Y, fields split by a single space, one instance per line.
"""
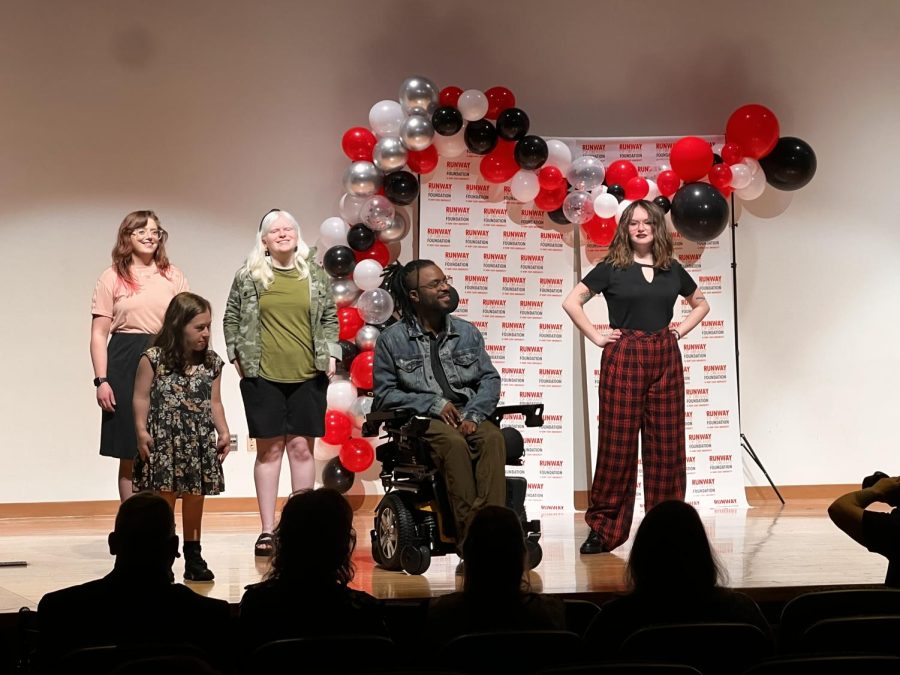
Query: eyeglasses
x=144 y=232
x=437 y=283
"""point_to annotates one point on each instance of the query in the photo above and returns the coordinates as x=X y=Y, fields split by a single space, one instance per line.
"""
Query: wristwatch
x=99 y=380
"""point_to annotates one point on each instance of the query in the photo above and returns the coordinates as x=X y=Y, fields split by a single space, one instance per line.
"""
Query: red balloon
x=499 y=165
x=338 y=427
x=732 y=153
x=350 y=322
x=422 y=161
x=726 y=191
x=620 y=172
x=550 y=200
x=499 y=99
x=636 y=188
x=377 y=251
x=550 y=177
x=449 y=96
x=600 y=230
x=361 y=370
x=720 y=176
x=356 y=454
x=691 y=158
x=668 y=183
x=358 y=144
x=753 y=127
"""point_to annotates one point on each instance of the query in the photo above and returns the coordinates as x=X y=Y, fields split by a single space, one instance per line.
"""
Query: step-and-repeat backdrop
x=513 y=266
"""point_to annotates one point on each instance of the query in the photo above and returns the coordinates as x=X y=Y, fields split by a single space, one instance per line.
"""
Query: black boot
x=195 y=568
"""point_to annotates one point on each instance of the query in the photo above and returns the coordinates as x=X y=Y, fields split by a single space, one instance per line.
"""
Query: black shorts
x=276 y=409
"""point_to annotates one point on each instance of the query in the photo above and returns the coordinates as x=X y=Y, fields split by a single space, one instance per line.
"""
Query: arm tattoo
x=587 y=295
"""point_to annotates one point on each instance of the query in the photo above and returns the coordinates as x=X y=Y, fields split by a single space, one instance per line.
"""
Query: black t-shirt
x=881 y=533
x=636 y=303
x=440 y=375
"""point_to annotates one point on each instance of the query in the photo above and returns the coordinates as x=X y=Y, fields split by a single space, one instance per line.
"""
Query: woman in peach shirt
x=128 y=306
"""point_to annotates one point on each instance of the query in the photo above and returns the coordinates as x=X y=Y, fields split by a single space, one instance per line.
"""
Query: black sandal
x=265 y=545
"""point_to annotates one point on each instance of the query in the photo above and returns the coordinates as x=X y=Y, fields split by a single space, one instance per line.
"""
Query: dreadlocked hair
x=395 y=281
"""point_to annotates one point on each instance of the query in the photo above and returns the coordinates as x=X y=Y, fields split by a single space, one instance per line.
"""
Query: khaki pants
x=473 y=468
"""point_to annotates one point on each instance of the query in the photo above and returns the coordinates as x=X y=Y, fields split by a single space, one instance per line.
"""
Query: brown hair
x=621 y=254
x=121 y=253
x=181 y=311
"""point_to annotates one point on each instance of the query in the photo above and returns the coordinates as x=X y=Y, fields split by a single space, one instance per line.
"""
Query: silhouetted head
x=671 y=552
x=495 y=554
x=314 y=539
x=144 y=533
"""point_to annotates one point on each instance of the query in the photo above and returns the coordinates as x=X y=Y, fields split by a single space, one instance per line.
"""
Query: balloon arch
x=409 y=135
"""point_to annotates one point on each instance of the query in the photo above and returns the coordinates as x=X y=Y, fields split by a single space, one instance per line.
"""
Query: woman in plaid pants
x=641 y=377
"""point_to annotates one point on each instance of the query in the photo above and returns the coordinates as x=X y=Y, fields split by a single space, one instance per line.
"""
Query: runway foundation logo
x=494 y=216
x=476 y=284
x=694 y=351
x=550 y=332
x=723 y=463
x=718 y=419
x=477 y=192
x=711 y=330
x=456 y=215
x=477 y=237
x=551 y=287
x=715 y=373
x=512 y=331
x=459 y=170
x=700 y=442
x=550 y=377
x=456 y=260
x=531 y=309
x=696 y=397
x=438 y=236
x=439 y=192
x=494 y=262
x=494 y=307
x=531 y=354
x=531 y=263
x=711 y=283
x=551 y=241
x=515 y=239
x=513 y=285
x=513 y=377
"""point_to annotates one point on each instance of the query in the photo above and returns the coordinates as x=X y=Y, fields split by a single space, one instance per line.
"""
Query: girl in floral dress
x=180 y=421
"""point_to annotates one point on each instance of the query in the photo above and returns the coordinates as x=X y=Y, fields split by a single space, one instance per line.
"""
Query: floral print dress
x=180 y=423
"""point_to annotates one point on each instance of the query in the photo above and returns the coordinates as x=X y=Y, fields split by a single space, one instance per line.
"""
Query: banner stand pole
x=745 y=443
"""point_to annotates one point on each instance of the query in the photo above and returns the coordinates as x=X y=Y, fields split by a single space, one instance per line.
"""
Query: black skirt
x=123 y=353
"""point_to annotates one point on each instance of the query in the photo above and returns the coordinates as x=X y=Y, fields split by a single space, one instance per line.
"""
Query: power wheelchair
x=414 y=520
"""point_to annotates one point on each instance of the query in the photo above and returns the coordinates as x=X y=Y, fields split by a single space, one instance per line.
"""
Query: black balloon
x=717 y=158
x=360 y=237
x=699 y=212
x=336 y=477
x=480 y=137
x=558 y=216
x=531 y=152
x=790 y=165
x=339 y=261
x=512 y=124
x=616 y=191
x=349 y=350
x=446 y=121
x=663 y=203
x=401 y=187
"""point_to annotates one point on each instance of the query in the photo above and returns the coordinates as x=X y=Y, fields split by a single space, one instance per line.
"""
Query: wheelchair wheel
x=535 y=553
x=394 y=530
x=415 y=559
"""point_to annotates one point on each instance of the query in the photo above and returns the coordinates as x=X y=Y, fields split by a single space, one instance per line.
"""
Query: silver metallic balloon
x=418 y=95
x=344 y=292
x=363 y=179
x=366 y=337
x=389 y=154
x=398 y=228
x=416 y=132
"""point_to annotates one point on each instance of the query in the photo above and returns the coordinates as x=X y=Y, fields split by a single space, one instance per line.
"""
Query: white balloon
x=621 y=209
x=524 y=185
x=367 y=274
x=349 y=207
x=653 y=192
x=450 y=146
x=740 y=176
x=558 y=155
x=333 y=232
x=385 y=118
x=472 y=105
x=340 y=395
x=605 y=205
x=752 y=164
x=754 y=189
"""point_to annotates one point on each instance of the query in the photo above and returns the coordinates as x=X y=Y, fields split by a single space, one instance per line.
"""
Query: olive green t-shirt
x=285 y=332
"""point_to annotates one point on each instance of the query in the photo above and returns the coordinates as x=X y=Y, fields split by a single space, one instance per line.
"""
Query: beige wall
x=213 y=112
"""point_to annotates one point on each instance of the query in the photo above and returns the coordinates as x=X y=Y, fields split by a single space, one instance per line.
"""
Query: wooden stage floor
x=770 y=551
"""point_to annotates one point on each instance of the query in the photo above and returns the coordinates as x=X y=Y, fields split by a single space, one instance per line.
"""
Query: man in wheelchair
x=435 y=365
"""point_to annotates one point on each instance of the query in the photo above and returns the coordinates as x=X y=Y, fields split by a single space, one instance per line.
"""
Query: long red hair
x=121 y=253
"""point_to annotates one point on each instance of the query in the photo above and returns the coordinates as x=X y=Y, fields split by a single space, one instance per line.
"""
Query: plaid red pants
x=641 y=391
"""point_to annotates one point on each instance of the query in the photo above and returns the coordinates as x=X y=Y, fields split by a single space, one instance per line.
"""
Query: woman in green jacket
x=281 y=331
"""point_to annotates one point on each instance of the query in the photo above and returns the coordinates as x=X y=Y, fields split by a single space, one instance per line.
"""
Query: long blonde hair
x=621 y=254
x=258 y=265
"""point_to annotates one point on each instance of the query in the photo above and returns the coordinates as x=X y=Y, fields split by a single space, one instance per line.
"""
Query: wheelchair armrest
x=395 y=417
x=533 y=412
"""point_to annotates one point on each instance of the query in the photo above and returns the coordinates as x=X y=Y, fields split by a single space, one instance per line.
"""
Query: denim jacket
x=242 y=326
x=404 y=377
